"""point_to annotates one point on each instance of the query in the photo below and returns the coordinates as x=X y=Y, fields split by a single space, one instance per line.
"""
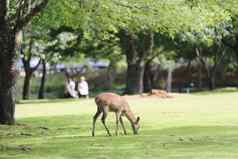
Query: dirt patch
x=160 y=93
x=155 y=93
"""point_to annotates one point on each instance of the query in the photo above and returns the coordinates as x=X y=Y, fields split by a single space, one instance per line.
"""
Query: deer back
x=113 y=101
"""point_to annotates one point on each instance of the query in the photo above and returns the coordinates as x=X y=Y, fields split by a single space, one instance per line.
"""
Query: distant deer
x=110 y=102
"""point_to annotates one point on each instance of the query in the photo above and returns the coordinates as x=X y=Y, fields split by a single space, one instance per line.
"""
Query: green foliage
x=101 y=21
x=162 y=16
x=58 y=13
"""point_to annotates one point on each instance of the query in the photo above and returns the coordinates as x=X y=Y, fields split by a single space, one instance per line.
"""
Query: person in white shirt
x=71 y=88
x=83 y=88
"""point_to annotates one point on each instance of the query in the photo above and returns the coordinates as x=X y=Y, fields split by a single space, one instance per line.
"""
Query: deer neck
x=131 y=117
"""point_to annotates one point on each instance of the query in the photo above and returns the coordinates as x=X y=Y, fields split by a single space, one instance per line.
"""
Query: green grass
x=184 y=127
x=218 y=90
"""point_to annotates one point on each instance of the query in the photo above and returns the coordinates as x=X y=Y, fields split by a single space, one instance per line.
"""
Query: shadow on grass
x=65 y=100
x=189 y=130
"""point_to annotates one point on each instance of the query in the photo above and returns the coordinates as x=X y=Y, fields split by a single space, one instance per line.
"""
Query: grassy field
x=184 y=127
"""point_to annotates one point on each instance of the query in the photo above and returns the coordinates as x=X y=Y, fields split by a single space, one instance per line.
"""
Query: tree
x=102 y=45
x=59 y=44
x=136 y=22
x=208 y=47
x=163 y=45
x=14 y=16
x=232 y=40
x=59 y=17
x=27 y=54
x=43 y=79
x=216 y=46
x=137 y=48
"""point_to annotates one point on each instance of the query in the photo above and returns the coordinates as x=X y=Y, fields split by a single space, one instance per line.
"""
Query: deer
x=111 y=102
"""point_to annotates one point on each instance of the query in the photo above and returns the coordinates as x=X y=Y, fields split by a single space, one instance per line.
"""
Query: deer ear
x=138 y=119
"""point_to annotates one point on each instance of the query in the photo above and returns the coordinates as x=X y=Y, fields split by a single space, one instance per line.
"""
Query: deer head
x=136 y=126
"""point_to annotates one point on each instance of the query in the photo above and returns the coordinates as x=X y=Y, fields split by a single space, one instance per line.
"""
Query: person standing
x=83 y=87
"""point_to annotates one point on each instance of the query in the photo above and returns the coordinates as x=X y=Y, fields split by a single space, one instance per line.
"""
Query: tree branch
x=23 y=21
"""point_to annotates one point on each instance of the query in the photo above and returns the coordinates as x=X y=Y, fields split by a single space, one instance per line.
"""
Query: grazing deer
x=110 y=102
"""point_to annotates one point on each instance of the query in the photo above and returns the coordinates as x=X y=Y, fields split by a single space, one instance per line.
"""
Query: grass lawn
x=185 y=127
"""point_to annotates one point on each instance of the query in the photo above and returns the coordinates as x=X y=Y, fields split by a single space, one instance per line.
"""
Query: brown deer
x=110 y=102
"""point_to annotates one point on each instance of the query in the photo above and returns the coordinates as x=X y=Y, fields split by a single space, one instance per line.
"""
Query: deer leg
x=122 y=124
x=94 y=120
x=104 y=116
x=117 y=122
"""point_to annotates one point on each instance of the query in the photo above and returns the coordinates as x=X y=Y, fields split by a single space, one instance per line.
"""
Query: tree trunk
x=148 y=78
x=134 y=80
x=9 y=29
x=111 y=73
x=43 y=79
x=169 y=80
x=211 y=73
x=137 y=48
x=200 y=75
x=27 y=85
x=237 y=57
x=8 y=75
x=7 y=106
x=26 y=60
x=212 y=81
